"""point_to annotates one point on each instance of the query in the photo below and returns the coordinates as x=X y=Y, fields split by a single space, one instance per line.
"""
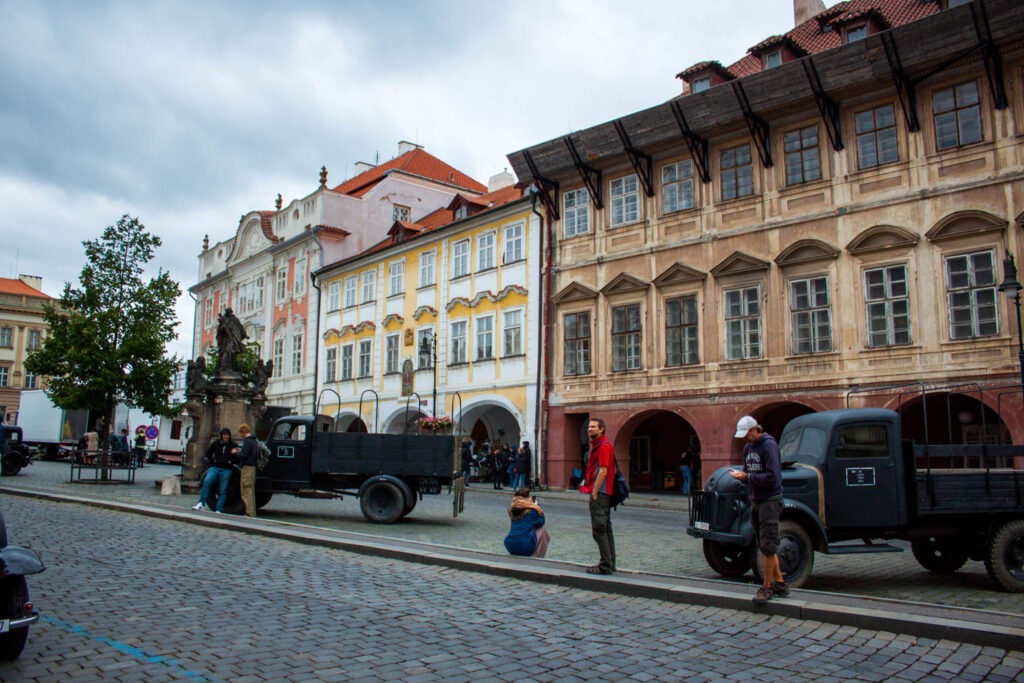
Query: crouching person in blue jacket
x=527 y=536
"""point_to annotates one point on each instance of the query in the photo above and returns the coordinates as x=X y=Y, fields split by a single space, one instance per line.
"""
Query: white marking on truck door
x=286 y=451
x=860 y=476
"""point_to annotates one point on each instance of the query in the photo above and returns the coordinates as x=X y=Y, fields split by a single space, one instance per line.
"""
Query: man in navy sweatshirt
x=762 y=473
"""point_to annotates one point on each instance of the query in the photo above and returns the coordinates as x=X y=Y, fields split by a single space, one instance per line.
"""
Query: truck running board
x=312 y=493
x=850 y=549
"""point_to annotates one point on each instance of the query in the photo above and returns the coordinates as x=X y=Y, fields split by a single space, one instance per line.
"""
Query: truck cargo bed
x=950 y=491
x=362 y=453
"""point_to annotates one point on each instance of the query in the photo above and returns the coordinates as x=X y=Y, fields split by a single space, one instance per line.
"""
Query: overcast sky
x=190 y=114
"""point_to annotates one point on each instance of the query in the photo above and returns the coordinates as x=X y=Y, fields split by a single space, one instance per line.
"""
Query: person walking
x=510 y=465
x=220 y=456
x=522 y=468
x=686 y=469
x=247 y=461
x=527 y=536
x=599 y=484
x=466 y=460
x=762 y=473
x=497 y=470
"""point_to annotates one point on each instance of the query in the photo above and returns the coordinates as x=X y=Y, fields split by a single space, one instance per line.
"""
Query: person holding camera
x=527 y=536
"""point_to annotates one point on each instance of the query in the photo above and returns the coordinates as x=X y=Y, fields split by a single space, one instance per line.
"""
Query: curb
x=978 y=627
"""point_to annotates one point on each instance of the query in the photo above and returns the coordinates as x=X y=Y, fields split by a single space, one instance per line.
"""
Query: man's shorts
x=765 y=517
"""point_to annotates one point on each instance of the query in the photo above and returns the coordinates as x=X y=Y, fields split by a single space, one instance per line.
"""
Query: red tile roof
x=266 y=226
x=11 y=286
x=415 y=162
x=818 y=33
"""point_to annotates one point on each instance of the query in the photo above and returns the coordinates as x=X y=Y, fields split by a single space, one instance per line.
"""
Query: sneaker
x=198 y=506
x=764 y=594
x=216 y=512
x=780 y=589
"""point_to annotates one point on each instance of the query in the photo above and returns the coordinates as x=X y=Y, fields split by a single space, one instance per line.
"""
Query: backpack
x=621 y=490
x=262 y=455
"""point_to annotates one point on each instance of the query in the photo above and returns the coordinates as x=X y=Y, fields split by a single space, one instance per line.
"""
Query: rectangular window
x=625 y=194
x=856 y=33
x=459 y=342
x=743 y=323
x=297 y=354
x=681 y=331
x=771 y=60
x=485 y=338
x=299 y=285
x=391 y=353
x=575 y=212
x=279 y=354
x=626 y=337
x=369 y=279
x=640 y=454
x=259 y=292
x=888 y=306
x=971 y=292
x=365 y=349
x=3 y=376
x=425 y=348
x=346 y=361
x=811 y=314
x=876 y=137
x=334 y=296
x=513 y=330
x=513 y=244
x=401 y=213
x=802 y=161
x=396 y=278
x=577 y=344
x=700 y=84
x=863 y=441
x=7 y=336
x=677 y=186
x=485 y=251
x=427 y=268
x=331 y=365
x=737 y=172
x=207 y=316
x=957 y=116
x=30 y=380
x=282 y=283
x=351 y=284
x=460 y=259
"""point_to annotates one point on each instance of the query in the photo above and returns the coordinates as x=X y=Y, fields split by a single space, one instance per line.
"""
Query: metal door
x=863 y=480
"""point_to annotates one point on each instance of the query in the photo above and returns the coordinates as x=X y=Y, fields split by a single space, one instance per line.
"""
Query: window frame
x=767 y=57
x=297 y=340
x=278 y=348
x=368 y=286
x=581 y=344
x=486 y=243
x=478 y=333
x=956 y=113
x=735 y=170
x=506 y=352
x=460 y=261
x=874 y=132
x=299 y=278
x=700 y=84
x=630 y=339
x=744 y=318
x=509 y=253
x=400 y=212
x=580 y=207
x=803 y=153
x=971 y=289
x=424 y=257
x=624 y=197
x=351 y=291
x=684 y=341
x=392 y=353
x=459 y=341
x=365 y=358
x=813 y=325
x=334 y=296
x=281 y=286
x=331 y=364
x=7 y=332
x=347 y=365
x=887 y=300
x=396 y=274
x=672 y=188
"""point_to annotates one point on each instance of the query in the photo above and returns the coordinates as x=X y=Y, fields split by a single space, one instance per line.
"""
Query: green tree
x=108 y=336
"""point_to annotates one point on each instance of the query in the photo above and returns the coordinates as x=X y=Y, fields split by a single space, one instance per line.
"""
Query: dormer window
x=401 y=213
x=700 y=84
x=461 y=212
x=855 y=33
x=772 y=59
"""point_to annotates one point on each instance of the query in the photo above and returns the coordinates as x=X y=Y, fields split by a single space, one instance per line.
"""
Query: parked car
x=17 y=454
x=16 y=610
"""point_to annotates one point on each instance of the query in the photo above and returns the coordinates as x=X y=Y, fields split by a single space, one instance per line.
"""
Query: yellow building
x=456 y=284
x=22 y=330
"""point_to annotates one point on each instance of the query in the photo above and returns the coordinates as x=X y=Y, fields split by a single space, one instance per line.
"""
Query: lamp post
x=428 y=345
x=1011 y=288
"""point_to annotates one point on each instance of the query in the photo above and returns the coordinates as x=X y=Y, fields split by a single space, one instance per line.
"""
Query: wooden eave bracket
x=760 y=131
x=642 y=163
x=827 y=107
x=591 y=176
x=697 y=145
x=547 y=189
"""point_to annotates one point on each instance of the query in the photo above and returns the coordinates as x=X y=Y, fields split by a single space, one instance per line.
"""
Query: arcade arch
x=656 y=441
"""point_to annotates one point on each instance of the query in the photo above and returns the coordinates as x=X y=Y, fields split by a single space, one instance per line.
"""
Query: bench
x=102 y=467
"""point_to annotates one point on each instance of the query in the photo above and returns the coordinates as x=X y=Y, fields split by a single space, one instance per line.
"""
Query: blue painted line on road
x=131 y=650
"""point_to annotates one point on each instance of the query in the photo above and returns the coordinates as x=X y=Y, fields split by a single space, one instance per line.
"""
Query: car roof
x=826 y=419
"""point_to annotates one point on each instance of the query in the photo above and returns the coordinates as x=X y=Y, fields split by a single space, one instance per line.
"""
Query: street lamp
x=428 y=345
x=1011 y=288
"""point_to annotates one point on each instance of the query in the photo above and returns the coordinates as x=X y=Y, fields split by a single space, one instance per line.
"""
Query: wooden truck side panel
x=368 y=454
x=959 y=491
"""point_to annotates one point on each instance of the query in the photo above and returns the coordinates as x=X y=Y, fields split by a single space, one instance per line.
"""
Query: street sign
x=152 y=432
x=141 y=429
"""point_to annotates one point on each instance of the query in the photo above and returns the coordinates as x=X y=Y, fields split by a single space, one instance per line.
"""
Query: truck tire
x=9 y=469
x=13 y=596
x=412 y=504
x=796 y=555
x=729 y=560
x=939 y=556
x=262 y=498
x=382 y=502
x=1005 y=561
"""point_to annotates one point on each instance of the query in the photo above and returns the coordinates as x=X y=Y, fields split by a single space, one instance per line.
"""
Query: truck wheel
x=796 y=555
x=382 y=503
x=13 y=596
x=729 y=560
x=940 y=556
x=262 y=498
x=409 y=508
x=1005 y=561
x=9 y=470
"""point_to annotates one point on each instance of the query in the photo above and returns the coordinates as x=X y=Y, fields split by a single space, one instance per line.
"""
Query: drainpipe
x=541 y=404
x=195 y=317
x=316 y=347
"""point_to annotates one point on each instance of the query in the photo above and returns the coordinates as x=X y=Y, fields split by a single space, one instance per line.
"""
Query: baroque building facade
x=22 y=330
x=827 y=217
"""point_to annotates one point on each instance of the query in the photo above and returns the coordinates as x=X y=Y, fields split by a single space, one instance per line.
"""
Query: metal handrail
x=316 y=406
x=376 y=407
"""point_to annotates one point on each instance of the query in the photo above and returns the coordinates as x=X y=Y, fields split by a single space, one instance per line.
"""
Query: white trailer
x=172 y=433
x=46 y=426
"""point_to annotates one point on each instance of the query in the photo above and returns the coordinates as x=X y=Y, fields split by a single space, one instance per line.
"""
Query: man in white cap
x=762 y=473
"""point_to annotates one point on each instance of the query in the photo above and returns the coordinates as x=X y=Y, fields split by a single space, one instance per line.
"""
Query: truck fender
x=18 y=561
x=795 y=510
x=402 y=486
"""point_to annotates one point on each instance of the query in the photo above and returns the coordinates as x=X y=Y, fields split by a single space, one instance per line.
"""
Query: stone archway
x=403 y=421
x=654 y=442
x=489 y=419
x=951 y=418
x=773 y=417
x=349 y=422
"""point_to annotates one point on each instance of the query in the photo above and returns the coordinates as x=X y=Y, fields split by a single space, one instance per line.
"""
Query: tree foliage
x=108 y=336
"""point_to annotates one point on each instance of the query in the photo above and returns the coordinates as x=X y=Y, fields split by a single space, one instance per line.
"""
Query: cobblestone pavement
x=649 y=540
x=129 y=598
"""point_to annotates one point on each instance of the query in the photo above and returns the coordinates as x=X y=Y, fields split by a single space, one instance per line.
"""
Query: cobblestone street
x=649 y=540
x=131 y=598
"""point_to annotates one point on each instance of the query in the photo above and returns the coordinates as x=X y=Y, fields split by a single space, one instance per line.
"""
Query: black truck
x=850 y=484
x=387 y=472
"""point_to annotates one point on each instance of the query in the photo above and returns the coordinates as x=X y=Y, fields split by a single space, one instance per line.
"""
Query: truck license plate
x=703 y=526
x=5 y=625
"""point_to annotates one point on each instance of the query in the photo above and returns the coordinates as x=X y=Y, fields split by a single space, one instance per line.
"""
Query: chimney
x=500 y=180
x=33 y=281
x=806 y=9
x=406 y=146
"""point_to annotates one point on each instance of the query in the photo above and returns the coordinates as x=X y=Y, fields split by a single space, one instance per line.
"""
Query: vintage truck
x=387 y=472
x=850 y=484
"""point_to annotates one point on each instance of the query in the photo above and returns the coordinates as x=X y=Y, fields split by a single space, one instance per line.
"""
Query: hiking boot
x=780 y=589
x=764 y=594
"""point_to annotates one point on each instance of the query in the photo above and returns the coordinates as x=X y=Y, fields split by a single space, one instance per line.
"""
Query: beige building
x=22 y=330
x=828 y=215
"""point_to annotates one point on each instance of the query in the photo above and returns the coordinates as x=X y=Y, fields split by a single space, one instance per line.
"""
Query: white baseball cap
x=745 y=424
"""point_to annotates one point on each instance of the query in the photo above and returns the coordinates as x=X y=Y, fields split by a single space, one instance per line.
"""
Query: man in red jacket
x=600 y=484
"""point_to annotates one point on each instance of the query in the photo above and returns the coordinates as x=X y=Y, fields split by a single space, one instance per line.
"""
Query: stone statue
x=264 y=371
x=230 y=340
x=195 y=376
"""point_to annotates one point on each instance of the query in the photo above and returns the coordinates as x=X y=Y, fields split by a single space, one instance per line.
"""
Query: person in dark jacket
x=527 y=536
x=466 y=455
x=221 y=456
x=762 y=473
x=522 y=468
x=247 y=461
x=497 y=468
